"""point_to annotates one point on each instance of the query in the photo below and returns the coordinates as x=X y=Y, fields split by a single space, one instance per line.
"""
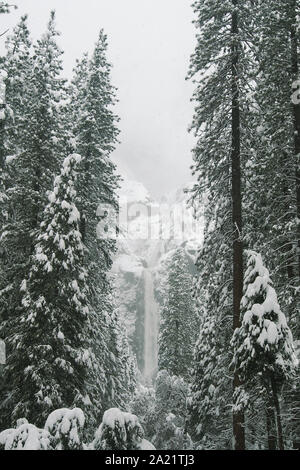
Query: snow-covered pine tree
x=26 y=436
x=95 y=138
x=203 y=396
x=125 y=360
x=76 y=95
x=34 y=89
x=18 y=66
x=3 y=195
x=6 y=7
x=44 y=132
x=49 y=359
x=18 y=70
x=263 y=345
x=12 y=90
x=118 y=431
x=169 y=412
x=222 y=69
x=36 y=143
x=275 y=163
x=275 y=160
x=120 y=371
x=65 y=427
x=178 y=319
x=209 y=420
x=96 y=135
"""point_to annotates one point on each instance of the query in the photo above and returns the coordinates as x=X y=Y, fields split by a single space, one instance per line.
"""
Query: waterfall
x=150 y=327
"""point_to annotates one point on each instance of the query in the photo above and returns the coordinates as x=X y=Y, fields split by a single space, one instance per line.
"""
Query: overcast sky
x=150 y=42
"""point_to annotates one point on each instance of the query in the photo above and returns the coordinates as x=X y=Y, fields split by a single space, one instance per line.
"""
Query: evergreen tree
x=34 y=90
x=65 y=428
x=263 y=345
x=18 y=69
x=203 y=395
x=118 y=431
x=222 y=67
x=272 y=191
x=25 y=437
x=271 y=221
x=169 y=413
x=178 y=320
x=14 y=92
x=5 y=7
x=43 y=137
x=120 y=370
x=48 y=360
x=3 y=196
x=209 y=420
x=275 y=157
x=95 y=134
x=18 y=66
x=32 y=136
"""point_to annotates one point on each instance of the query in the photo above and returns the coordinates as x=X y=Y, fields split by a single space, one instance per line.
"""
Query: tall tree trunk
x=278 y=415
x=270 y=419
x=238 y=417
x=296 y=116
x=2 y=128
x=1 y=143
x=2 y=157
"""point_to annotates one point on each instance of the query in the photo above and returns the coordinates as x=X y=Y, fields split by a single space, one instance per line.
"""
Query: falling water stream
x=150 y=327
x=151 y=319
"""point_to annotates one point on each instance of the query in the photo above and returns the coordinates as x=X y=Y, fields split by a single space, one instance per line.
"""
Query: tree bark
x=278 y=415
x=270 y=419
x=2 y=182
x=296 y=118
x=2 y=128
x=238 y=417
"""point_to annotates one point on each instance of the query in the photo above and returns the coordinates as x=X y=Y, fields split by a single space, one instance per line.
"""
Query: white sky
x=150 y=42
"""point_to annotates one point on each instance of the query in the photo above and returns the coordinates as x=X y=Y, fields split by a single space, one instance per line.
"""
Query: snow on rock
x=134 y=192
x=147 y=241
x=128 y=263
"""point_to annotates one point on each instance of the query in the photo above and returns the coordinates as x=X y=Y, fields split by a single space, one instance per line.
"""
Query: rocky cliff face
x=150 y=231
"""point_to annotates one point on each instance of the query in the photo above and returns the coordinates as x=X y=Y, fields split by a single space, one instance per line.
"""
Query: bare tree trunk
x=238 y=417
x=296 y=116
x=278 y=415
x=2 y=128
x=2 y=157
x=270 y=419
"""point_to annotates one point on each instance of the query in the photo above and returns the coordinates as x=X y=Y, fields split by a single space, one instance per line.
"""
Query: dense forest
x=224 y=368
